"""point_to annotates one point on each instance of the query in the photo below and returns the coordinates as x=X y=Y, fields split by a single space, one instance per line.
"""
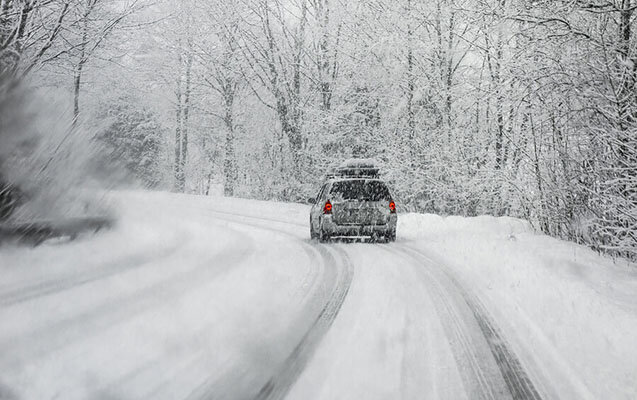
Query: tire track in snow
x=98 y=320
x=518 y=383
x=282 y=380
x=19 y=294
x=337 y=278
x=208 y=389
x=470 y=356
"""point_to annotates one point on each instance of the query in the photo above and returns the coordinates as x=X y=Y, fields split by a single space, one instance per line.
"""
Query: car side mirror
x=311 y=200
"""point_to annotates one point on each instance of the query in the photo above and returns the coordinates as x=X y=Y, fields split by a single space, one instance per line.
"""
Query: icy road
x=204 y=298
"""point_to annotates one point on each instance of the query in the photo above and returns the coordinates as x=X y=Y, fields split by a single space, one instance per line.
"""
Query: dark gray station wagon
x=353 y=202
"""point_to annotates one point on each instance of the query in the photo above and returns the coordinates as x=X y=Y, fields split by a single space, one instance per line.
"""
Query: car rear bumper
x=334 y=230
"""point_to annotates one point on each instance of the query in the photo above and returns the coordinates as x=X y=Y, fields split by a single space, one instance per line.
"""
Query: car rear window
x=360 y=190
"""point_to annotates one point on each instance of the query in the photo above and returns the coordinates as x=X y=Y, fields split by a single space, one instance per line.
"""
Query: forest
x=525 y=108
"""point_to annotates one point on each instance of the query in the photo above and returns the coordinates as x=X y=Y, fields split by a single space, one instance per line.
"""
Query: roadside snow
x=170 y=303
x=423 y=226
x=571 y=312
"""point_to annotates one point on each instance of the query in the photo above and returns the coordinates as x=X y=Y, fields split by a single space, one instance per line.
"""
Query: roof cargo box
x=358 y=167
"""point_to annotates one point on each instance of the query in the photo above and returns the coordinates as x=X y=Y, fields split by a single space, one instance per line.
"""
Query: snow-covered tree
x=133 y=139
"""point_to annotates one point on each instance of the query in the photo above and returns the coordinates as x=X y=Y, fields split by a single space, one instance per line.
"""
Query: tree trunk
x=77 y=80
x=542 y=216
x=229 y=164
x=80 y=65
x=186 y=115
x=628 y=74
x=411 y=120
x=4 y=21
x=177 y=166
x=449 y=74
x=288 y=97
x=296 y=141
x=24 y=22
x=323 y=13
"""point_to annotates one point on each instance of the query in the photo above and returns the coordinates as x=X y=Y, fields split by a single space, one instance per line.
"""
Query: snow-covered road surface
x=205 y=298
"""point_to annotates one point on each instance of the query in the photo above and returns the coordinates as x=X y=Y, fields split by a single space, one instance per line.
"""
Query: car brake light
x=392 y=207
x=327 y=209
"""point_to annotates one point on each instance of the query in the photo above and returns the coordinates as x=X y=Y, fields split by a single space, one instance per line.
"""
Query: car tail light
x=392 y=207
x=327 y=209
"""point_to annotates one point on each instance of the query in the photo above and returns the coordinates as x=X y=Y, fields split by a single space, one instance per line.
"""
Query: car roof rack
x=357 y=168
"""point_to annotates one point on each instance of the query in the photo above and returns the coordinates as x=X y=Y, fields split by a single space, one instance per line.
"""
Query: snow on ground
x=207 y=296
x=387 y=342
x=156 y=308
x=572 y=311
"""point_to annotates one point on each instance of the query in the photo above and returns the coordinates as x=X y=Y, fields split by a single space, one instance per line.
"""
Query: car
x=353 y=202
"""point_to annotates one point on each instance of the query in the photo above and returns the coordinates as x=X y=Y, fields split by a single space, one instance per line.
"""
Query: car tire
x=323 y=237
x=391 y=236
x=313 y=235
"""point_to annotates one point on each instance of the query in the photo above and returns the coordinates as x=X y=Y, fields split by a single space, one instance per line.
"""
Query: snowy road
x=190 y=298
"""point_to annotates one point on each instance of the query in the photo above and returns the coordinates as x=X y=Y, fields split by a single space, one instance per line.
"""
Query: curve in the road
x=98 y=319
x=21 y=293
x=518 y=384
x=336 y=278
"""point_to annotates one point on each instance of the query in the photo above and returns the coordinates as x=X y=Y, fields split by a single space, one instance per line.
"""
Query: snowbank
x=565 y=308
x=416 y=226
